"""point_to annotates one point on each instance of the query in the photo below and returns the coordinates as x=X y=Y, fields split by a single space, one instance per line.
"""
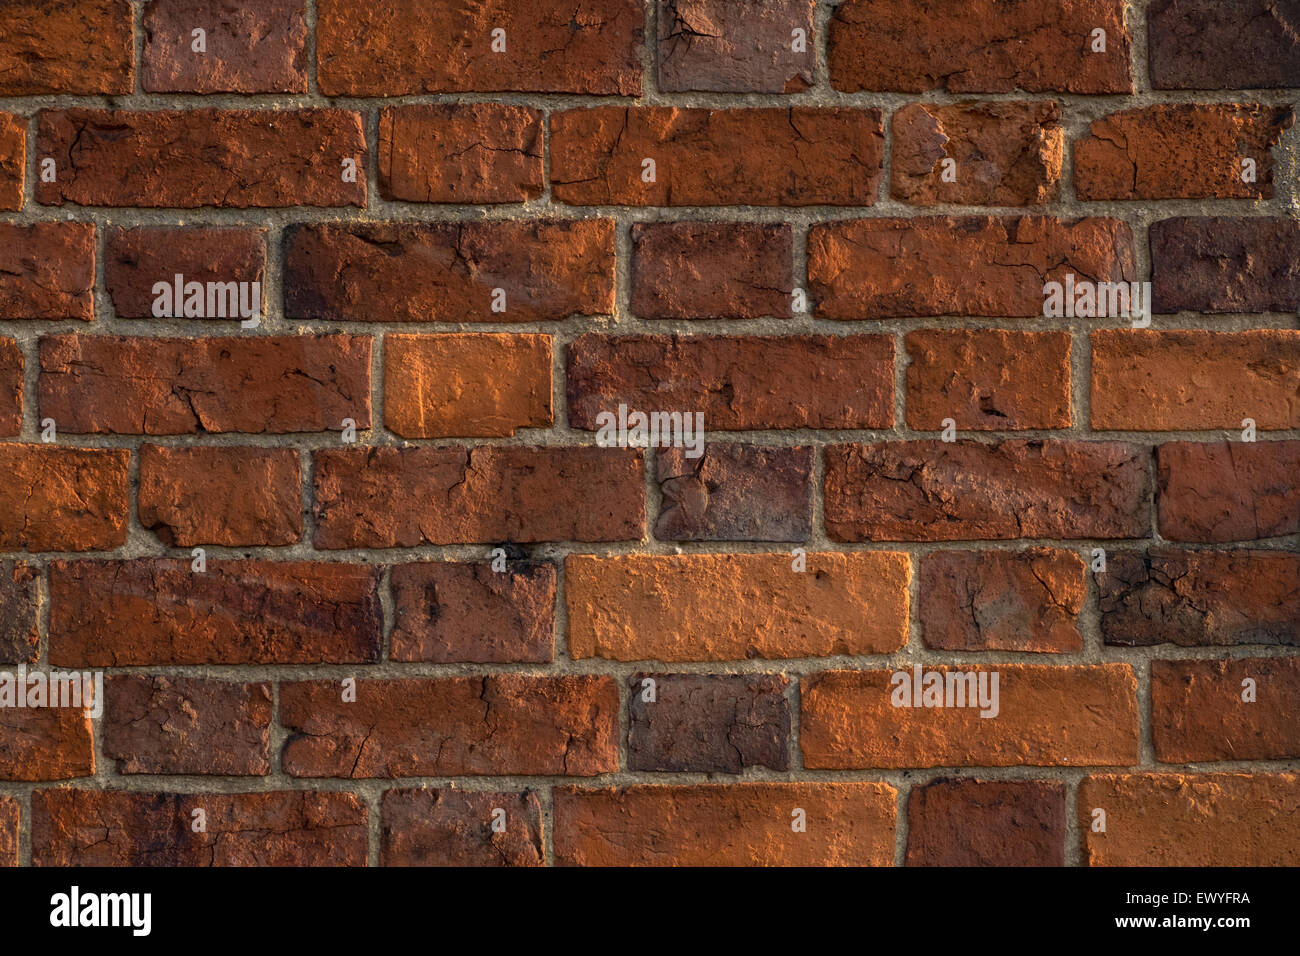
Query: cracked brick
x=725 y=46
x=47 y=271
x=136 y=258
x=449 y=827
x=63 y=499
x=1227 y=491
x=250 y=47
x=735 y=492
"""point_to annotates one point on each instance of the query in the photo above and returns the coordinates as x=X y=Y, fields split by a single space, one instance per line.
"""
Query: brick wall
x=369 y=587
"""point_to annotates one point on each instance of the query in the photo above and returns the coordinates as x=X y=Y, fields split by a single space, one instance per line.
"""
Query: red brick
x=447 y=272
x=63 y=499
x=11 y=387
x=1222 y=264
x=1180 y=151
x=1002 y=600
x=698 y=607
x=45 y=743
x=449 y=612
x=462 y=153
x=1191 y=598
x=468 y=385
x=497 y=725
x=79 y=46
x=205 y=157
x=1210 y=819
x=9 y=821
x=21 y=604
x=735 y=493
x=226 y=496
x=419 y=46
x=953 y=491
x=1002 y=154
x=448 y=827
x=250 y=48
x=803 y=156
x=47 y=271
x=1207 y=45
x=988 y=379
x=402 y=497
x=13 y=161
x=174 y=386
x=160 y=611
x=1198 y=710
x=970 y=265
x=1046 y=717
x=187 y=725
x=737 y=382
x=982 y=46
x=119 y=828
x=135 y=259
x=1144 y=380
x=711 y=270
x=986 y=823
x=746 y=824
x=727 y=47
x=1228 y=491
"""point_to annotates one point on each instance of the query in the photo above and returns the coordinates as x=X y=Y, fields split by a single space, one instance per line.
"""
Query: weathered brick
x=21 y=602
x=474 y=385
x=9 y=820
x=119 y=828
x=988 y=379
x=79 y=46
x=802 y=156
x=1192 y=598
x=402 y=497
x=1228 y=491
x=697 y=607
x=967 y=490
x=160 y=611
x=447 y=827
x=422 y=46
x=47 y=270
x=970 y=265
x=708 y=723
x=187 y=725
x=711 y=270
x=982 y=46
x=737 y=382
x=45 y=742
x=1002 y=600
x=735 y=493
x=746 y=824
x=448 y=272
x=1210 y=819
x=13 y=161
x=1220 y=264
x=496 y=725
x=1003 y=154
x=1206 y=45
x=1202 y=709
x=12 y=365
x=728 y=47
x=1180 y=151
x=1045 y=717
x=450 y=612
x=63 y=499
x=1145 y=380
x=221 y=495
x=206 y=157
x=986 y=823
x=182 y=386
x=135 y=259
x=248 y=48
x=462 y=153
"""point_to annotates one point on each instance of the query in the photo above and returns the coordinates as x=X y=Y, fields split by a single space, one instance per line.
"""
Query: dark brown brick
x=735 y=493
x=448 y=827
x=159 y=611
x=135 y=259
x=21 y=601
x=250 y=47
x=1228 y=491
x=13 y=161
x=187 y=725
x=47 y=271
x=450 y=612
x=708 y=723
x=12 y=365
x=1208 y=45
x=9 y=817
x=986 y=823
x=728 y=47
x=1220 y=264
